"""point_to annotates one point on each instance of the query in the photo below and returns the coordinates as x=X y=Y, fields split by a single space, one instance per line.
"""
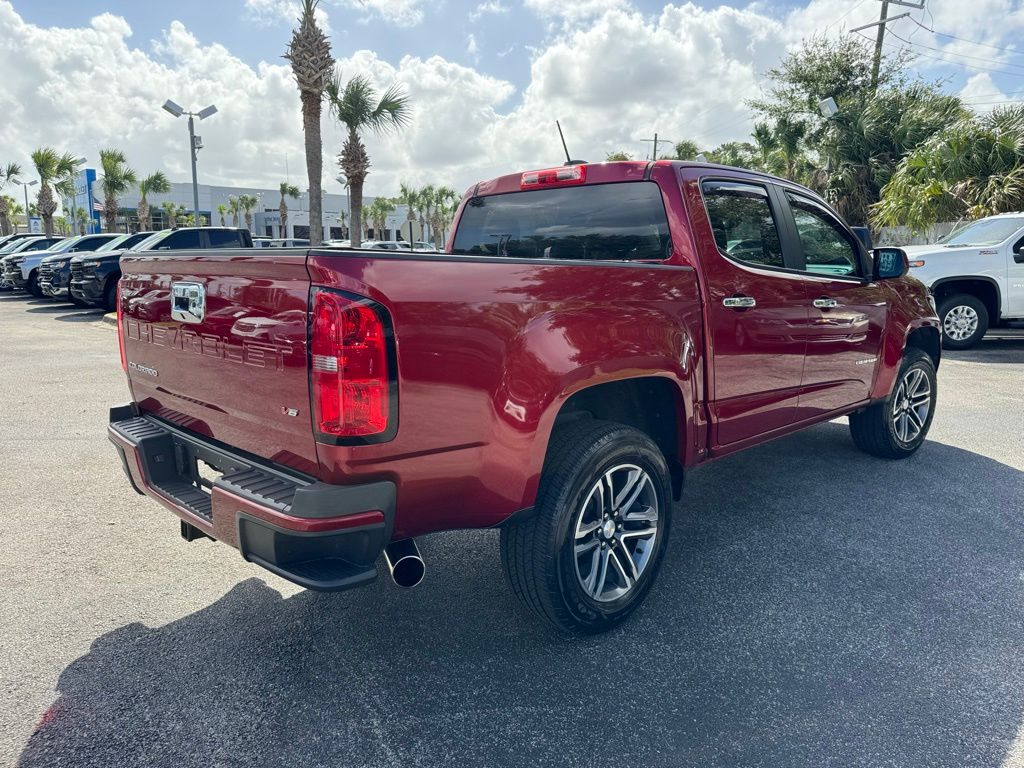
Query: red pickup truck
x=589 y=334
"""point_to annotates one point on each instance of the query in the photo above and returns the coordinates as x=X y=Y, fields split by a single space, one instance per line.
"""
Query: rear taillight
x=350 y=376
x=554 y=177
x=120 y=329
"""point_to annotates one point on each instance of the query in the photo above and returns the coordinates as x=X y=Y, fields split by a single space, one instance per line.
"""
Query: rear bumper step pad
x=320 y=536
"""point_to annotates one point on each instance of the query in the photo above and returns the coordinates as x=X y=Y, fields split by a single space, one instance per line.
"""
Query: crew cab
x=590 y=334
x=94 y=278
x=15 y=254
x=977 y=277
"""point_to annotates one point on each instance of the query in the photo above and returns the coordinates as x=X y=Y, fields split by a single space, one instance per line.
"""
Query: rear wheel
x=589 y=554
x=896 y=428
x=964 y=321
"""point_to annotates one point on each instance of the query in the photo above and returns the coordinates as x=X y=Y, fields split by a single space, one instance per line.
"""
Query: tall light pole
x=195 y=144
x=26 y=185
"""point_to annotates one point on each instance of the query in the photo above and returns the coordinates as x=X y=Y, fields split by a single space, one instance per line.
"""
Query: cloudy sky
x=487 y=77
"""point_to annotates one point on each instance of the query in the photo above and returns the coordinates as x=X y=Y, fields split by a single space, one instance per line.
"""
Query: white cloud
x=403 y=13
x=490 y=7
x=282 y=11
x=572 y=10
x=982 y=94
x=471 y=46
x=612 y=80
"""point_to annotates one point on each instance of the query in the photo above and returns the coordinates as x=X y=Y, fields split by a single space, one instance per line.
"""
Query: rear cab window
x=600 y=222
x=743 y=224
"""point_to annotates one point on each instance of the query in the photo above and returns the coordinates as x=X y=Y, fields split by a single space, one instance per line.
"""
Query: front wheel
x=896 y=428
x=964 y=321
x=589 y=554
x=110 y=294
x=33 y=286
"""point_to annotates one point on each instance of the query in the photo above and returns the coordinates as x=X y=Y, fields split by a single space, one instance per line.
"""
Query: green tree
x=14 y=211
x=972 y=169
x=156 y=184
x=245 y=204
x=686 y=150
x=408 y=196
x=117 y=179
x=618 y=155
x=739 y=154
x=56 y=173
x=378 y=212
x=222 y=210
x=442 y=212
x=9 y=174
x=234 y=208
x=358 y=109
x=170 y=213
x=309 y=53
x=287 y=190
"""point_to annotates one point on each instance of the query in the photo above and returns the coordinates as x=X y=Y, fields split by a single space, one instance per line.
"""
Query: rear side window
x=176 y=241
x=605 y=222
x=223 y=238
x=742 y=222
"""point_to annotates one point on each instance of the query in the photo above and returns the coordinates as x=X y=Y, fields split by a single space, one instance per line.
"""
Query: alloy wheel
x=961 y=322
x=911 y=405
x=616 y=531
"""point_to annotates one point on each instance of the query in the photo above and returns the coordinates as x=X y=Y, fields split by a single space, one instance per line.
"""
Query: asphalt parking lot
x=817 y=608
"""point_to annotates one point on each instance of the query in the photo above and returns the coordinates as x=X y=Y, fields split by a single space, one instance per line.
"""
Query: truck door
x=756 y=312
x=1014 y=299
x=847 y=312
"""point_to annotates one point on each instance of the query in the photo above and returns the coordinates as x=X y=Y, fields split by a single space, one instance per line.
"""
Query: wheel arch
x=652 y=404
x=986 y=289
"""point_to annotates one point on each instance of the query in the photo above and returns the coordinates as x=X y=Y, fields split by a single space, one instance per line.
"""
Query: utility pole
x=877 y=63
x=654 y=151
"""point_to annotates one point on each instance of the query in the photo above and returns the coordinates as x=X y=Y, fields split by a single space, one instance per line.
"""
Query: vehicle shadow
x=991 y=350
x=817 y=607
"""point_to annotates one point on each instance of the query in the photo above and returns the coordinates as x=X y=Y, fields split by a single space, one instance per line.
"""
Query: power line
x=964 y=64
x=950 y=53
x=848 y=12
x=965 y=40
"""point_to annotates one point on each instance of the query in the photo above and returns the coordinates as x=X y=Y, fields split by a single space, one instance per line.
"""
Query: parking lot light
x=195 y=144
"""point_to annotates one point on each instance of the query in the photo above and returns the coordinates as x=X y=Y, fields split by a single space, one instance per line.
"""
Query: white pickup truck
x=976 y=276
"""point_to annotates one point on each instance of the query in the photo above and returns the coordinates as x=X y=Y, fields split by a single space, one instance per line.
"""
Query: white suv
x=976 y=275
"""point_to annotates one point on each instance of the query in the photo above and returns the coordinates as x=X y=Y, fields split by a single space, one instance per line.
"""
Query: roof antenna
x=568 y=157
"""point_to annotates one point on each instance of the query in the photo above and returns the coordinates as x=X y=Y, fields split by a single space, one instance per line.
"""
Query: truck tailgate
x=230 y=362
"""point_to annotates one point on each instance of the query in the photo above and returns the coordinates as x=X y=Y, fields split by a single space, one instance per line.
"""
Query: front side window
x=601 y=222
x=828 y=249
x=742 y=223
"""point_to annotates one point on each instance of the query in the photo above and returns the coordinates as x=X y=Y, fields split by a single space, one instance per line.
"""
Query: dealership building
x=266 y=218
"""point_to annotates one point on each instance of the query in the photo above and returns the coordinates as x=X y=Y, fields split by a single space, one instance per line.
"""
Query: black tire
x=969 y=303
x=875 y=430
x=78 y=302
x=32 y=286
x=110 y=294
x=538 y=553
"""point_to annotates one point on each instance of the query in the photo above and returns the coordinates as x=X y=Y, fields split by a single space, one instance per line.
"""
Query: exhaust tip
x=404 y=563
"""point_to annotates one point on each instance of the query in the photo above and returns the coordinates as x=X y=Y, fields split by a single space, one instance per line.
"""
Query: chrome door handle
x=739 y=302
x=826 y=303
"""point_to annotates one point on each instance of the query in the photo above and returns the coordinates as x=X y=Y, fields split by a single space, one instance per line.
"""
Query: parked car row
x=85 y=269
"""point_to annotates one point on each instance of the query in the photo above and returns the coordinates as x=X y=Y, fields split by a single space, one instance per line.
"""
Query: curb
x=110 y=318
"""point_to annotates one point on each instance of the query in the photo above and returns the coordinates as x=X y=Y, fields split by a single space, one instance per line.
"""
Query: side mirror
x=864 y=235
x=890 y=263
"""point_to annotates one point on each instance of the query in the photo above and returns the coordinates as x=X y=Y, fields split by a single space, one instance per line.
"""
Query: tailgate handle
x=188 y=302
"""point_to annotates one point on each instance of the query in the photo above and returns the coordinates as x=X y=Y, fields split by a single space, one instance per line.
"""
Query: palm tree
x=14 y=211
x=378 y=212
x=56 y=170
x=9 y=174
x=424 y=203
x=234 y=208
x=223 y=211
x=287 y=190
x=245 y=204
x=170 y=213
x=357 y=108
x=312 y=63
x=974 y=168
x=157 y=184
x=408 y=196
x=445 y=201
x=117 y=178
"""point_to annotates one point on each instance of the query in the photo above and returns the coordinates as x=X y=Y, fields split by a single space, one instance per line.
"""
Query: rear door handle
x=739 y=302
x=824 y=303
